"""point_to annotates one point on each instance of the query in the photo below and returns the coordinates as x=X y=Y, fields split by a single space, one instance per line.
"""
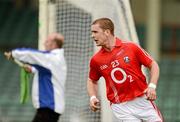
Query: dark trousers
x=46 y=115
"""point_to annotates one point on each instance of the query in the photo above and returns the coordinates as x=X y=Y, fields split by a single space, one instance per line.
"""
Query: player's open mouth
x=95 y=40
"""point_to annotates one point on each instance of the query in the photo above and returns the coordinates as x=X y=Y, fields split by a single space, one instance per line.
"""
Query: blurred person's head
x=53 y=41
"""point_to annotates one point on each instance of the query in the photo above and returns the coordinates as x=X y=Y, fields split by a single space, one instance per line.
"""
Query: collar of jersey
x=118 y=42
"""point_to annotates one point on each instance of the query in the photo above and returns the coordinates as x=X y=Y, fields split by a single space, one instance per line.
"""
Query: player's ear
x=107 y=32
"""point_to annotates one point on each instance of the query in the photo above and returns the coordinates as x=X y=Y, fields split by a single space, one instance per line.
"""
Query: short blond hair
x=105 y=23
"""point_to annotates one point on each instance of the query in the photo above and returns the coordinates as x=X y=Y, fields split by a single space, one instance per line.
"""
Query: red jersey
x=121 y=69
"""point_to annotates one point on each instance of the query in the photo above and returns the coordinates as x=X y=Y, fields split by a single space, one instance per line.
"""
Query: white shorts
x=138 y=110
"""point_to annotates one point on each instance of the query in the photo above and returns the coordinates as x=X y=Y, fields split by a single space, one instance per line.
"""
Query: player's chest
x=118 y=58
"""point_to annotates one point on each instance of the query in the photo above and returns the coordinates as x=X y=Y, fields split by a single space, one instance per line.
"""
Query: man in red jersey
x=119 y=62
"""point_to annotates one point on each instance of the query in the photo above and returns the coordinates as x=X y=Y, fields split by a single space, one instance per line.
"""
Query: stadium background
x=19 y=28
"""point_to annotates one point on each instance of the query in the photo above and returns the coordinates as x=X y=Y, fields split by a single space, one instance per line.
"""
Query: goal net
x=73 y=18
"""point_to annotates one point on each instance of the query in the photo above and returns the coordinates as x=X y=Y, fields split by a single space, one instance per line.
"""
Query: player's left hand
x=150 y=94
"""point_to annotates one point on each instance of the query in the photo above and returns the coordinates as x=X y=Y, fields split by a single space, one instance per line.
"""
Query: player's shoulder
x=98 y=52
x=97 y=55
x=130 y=44
x=127 y=42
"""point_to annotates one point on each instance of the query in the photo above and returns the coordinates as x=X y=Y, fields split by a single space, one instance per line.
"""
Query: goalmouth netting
x=73 y=18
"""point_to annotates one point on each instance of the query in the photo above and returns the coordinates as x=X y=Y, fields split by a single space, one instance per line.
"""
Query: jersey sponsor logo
x=117 y=80
x=115 y=65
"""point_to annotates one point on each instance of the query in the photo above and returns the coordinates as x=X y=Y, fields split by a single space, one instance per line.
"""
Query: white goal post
x=47 y=20
x=73 y=19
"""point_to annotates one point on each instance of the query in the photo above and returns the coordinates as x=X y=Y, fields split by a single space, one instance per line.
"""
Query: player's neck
x=110 y=44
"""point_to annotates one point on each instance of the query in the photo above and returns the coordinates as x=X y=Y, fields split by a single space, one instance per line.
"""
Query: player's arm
x=27 y=67
x=154 y=76
x=92 y=89
x=153 y=67
x=32 y=56
x=154 y=72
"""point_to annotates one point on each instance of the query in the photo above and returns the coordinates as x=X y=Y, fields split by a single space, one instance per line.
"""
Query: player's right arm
x=92 y=85
x=92 y=88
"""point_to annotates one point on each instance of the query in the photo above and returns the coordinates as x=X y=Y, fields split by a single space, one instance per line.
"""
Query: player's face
x=99 y=35
x=49 y=43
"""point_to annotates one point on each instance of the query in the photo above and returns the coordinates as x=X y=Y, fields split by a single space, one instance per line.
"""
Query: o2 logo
x=114 y=64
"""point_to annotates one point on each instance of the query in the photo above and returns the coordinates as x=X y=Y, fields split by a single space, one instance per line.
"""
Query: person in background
x=49 y=68
x=120 y=62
